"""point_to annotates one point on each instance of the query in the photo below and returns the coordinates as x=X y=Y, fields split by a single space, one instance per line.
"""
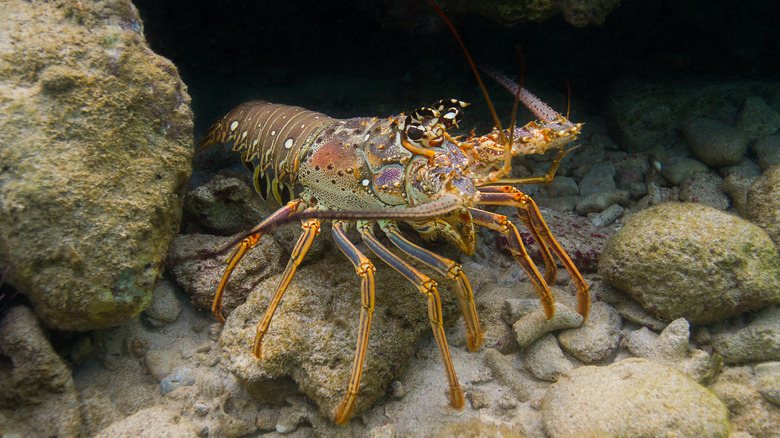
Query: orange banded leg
x=310 y=230
x=366 y=270
x=447 y=268
x=501 y=224
x=533 y=220
x=247 y=244
x=496 y=195
x=541 y=179
x=428 y=287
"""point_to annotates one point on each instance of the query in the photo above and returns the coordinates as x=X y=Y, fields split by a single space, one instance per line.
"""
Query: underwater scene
x=399 y=218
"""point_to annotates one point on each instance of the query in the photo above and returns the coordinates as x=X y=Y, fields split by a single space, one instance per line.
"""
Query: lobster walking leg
x=311 y=228
x=501 y=224
x=533 y=220
x=449 y=269
x=366 y=270
x=247 y=244
x=428 y=287
x=492 y=195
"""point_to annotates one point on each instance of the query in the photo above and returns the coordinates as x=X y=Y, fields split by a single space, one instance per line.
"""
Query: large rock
x=313 y=334
x=715 y=143
x=37 y=394
x=682 y=260
x=95 y=149
x=633 y=397
x=763 y=203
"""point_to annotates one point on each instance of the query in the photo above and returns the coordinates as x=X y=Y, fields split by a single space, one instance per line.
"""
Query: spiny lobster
x=377 y=171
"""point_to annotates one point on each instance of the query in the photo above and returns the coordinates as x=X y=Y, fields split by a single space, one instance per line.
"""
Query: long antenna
x=473 y=68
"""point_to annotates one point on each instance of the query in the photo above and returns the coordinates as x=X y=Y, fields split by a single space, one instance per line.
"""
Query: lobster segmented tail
x=275 y=134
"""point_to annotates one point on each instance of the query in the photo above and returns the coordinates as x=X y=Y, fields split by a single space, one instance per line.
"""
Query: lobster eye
x=414 y=132
x=452 y=117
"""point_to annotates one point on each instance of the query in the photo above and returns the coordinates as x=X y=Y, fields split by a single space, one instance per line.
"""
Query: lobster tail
x=272 y=133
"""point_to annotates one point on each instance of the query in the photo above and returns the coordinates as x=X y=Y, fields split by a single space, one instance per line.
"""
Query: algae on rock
x=95 y=151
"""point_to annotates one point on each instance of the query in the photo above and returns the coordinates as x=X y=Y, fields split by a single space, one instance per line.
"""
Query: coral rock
x=633 y=397
x=97 y=145
x=694 y=262
x=37 y=394
x=763 y=203
x=715 y=143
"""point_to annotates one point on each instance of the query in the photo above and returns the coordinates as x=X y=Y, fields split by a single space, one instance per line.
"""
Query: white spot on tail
x=233 y=126
x=288 y=143
x=365 y=182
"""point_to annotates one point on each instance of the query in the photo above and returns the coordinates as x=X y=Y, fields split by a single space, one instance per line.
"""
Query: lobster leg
x=494 y=195
x=533 y=220
x=501 y=224
x=449 y=269
x=541 y=179
x=366 y=270
x=247 y=244
x=428 y=287
x=310 y=230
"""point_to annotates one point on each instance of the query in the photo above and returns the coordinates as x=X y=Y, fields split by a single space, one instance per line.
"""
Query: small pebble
x=545 y=359
x=478 y=399
x=137 y=347
x=606 y=217
x=179 y=377
x=164 y=307
x=159 y=363
x=289 y=419
x=532 y=326
x=214 y=331
x=507 y=402
x=398 y=391
x=599 y=201
x=597 y=338
x=267 y=419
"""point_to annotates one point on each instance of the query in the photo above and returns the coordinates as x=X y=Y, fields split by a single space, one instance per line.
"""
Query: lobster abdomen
x=272 y=133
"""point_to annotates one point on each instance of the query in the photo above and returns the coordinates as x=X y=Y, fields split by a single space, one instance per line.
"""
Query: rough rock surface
x=704 y=188
x=155 y=421
x=313 y=335
x=767 y=151
x=672 y=348
x=750 y=412
x=200 y=277
x=597 y=338
x=37 y=395
x=634 y=398
x=714 y=142
x=758 y=341
x=763 y=203
x=96 y=132
x=694 y=262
